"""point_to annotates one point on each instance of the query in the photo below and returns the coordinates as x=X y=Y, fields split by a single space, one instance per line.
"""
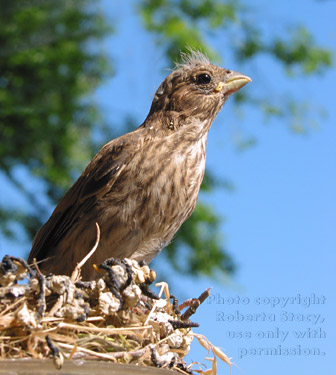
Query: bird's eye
x=203 y=79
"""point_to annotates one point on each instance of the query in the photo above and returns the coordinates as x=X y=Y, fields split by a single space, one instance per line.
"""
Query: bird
x=140 y=187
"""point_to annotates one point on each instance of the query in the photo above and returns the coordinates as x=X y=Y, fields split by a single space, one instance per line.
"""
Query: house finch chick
x=142 y=186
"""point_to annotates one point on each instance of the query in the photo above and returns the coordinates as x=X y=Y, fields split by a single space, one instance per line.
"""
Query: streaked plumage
x=142 y=186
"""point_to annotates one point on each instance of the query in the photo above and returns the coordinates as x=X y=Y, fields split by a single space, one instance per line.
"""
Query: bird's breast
x=171 y=183
x=152 y=199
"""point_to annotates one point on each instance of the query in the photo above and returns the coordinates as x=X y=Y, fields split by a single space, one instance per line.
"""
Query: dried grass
x=120 y=321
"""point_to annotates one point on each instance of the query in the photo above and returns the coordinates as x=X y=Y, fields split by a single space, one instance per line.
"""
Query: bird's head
x=196 y=89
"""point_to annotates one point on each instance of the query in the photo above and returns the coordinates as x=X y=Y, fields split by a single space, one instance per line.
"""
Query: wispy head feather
x=191 y=59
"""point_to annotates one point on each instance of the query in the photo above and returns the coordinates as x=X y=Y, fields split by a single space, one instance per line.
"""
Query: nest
x=114 y=318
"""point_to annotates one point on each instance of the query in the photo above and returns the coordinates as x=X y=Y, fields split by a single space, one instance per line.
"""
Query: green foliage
x=298 y=51
x=177 y=23
x=46 y=70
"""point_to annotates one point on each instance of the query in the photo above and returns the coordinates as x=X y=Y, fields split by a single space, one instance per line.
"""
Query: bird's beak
x=233 y=83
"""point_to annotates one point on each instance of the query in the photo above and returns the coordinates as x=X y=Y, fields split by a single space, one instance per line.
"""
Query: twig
x=195 y=304
x=111 y=356
x=76 y=272
x=163 y=286
x=110 y=331
x=13 y=305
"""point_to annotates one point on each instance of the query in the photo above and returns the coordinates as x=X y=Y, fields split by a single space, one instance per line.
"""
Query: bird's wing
x=97 y=179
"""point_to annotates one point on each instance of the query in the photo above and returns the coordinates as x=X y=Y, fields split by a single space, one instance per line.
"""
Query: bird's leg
x=147 y=292
x=145 y=286
x=128 y=269
x=177 y=324
x=126 y=266
x=180 y=323
x=41 y=298
x=175 y=305
x=113 y=282
x=58 y=358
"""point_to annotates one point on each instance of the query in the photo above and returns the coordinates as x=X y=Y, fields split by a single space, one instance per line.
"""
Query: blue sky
x=280 y=221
